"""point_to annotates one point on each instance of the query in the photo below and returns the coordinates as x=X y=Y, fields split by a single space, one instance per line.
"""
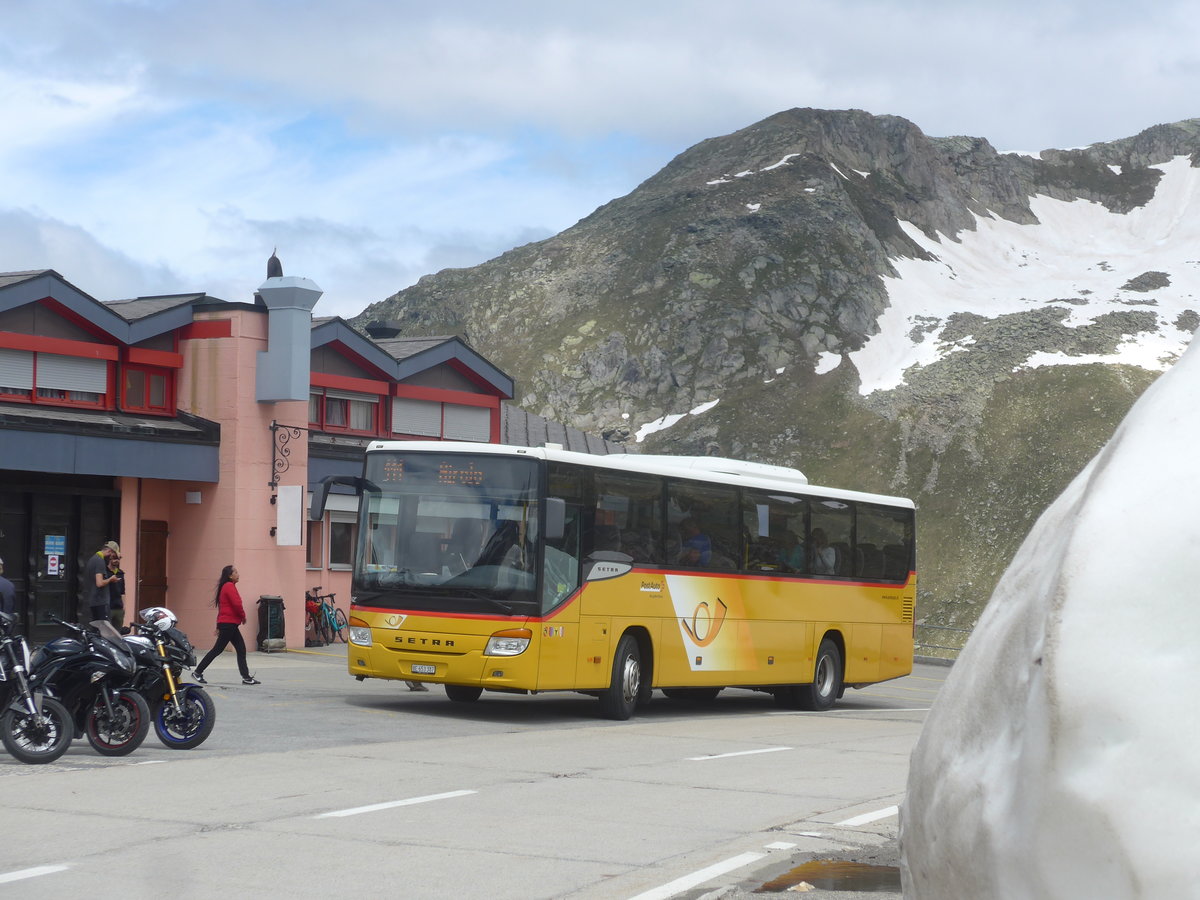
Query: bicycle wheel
x=324 y=628
x=343 y=627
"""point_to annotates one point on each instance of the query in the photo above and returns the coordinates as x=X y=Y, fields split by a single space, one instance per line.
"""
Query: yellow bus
x=485 y=567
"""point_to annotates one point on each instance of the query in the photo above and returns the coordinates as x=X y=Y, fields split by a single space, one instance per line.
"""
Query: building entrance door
x=48 y=530
x=152 y=564
x=53 y=551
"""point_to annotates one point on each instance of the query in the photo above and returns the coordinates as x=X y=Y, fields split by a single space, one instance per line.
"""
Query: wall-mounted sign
x=56 y=545
x=52 y=565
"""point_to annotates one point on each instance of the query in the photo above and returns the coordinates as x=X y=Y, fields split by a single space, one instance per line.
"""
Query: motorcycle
x=34 y=728
x=90 y=673
x=183 y=714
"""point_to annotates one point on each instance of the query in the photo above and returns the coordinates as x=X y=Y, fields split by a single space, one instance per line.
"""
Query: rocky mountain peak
x=784 y=270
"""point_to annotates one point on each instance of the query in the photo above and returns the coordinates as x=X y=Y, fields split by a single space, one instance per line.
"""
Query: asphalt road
x=315 y=785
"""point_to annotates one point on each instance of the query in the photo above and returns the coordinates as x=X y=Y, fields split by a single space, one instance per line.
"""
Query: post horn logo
x=706 y=622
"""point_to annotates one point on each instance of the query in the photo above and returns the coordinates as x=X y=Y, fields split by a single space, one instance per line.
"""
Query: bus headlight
x=360 y=632
x=508 y=643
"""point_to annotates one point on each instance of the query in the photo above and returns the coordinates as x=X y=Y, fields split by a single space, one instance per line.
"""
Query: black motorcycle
x=35 y=728
x=183 y=714
x=90 y=673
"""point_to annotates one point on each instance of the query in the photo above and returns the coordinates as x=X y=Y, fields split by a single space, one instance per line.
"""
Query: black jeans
x=227 y=633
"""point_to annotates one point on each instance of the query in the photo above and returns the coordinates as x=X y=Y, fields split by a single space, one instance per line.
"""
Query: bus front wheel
x=826 y=685
x=461 y=693
x=620 y=698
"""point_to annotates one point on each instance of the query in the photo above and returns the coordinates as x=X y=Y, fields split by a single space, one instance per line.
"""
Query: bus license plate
x=420 y=669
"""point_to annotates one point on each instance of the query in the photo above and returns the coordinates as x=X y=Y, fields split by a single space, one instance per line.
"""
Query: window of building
x=417 y=417
x=333 y=410
x=53 y=378
x=16 y=373
x=342 y=534
x=467 y=423
x=315 y=546
x=147 y=389
x=451 y=421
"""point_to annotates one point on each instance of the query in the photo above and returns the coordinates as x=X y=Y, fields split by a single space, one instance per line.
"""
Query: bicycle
x=327 y=622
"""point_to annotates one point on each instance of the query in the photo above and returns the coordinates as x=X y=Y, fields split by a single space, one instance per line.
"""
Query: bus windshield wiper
x=487 y=598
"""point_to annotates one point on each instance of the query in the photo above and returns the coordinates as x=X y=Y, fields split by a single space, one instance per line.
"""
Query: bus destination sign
x=457 y=473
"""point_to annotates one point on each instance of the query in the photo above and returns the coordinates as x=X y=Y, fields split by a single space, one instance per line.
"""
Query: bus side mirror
x=556 y=518
x=316 y=509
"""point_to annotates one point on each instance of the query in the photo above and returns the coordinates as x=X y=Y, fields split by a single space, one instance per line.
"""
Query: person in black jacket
x=116 y=593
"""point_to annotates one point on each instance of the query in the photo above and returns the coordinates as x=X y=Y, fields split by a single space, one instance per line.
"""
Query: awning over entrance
x=75 y=442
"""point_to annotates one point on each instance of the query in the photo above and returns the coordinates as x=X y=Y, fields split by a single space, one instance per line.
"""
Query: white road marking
x=739 y=753
x=870 y=817
x=31 y=873
x=848 y=710
x=679 y=885
x=391 y=804
x=780 y=845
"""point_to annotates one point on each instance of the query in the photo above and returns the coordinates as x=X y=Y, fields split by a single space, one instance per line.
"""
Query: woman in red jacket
x=230 y=615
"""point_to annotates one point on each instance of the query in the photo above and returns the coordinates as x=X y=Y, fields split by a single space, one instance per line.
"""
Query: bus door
x=558 y=637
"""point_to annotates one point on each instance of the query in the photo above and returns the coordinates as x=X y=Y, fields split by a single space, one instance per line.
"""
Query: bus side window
x=628 y=516
x=830 y=537
x=771 y=528
x=884 y=538
x=710 y=514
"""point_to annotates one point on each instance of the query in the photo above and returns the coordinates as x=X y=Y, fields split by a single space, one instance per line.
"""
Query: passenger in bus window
x=791 y=552
x=823 y=556
x=696 y=549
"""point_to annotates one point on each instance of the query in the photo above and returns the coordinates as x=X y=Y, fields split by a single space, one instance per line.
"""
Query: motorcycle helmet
x=159 y=617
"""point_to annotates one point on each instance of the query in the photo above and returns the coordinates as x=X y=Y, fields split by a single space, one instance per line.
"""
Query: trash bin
x=270 y=623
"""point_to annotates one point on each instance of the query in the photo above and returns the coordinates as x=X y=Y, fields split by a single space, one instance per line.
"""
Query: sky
x=156 y=146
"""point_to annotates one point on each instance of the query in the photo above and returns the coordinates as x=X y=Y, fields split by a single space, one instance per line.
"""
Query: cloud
x=29 y=242
x=374 y=142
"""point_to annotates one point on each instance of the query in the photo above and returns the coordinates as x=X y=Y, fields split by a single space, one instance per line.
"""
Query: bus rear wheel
x=620 y=698
x=461 y=693
x=826 y=685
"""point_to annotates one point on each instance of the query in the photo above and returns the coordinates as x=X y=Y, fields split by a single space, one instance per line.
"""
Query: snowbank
x=1061 y=759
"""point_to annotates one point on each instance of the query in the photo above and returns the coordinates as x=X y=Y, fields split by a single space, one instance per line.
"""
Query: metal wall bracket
x=281 y=450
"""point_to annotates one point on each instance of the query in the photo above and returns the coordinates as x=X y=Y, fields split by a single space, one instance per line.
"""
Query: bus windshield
x=453 y=533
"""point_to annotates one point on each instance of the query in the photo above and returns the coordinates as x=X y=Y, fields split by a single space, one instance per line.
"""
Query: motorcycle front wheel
x=37 y=739
x=123 y=731
x=191 y=724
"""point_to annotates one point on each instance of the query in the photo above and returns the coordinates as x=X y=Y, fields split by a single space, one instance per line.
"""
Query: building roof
x=141 y=307
x=520 y=428
x=401 y=358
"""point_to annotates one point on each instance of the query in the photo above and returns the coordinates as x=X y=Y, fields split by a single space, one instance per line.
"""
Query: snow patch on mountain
x=1079 y=256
